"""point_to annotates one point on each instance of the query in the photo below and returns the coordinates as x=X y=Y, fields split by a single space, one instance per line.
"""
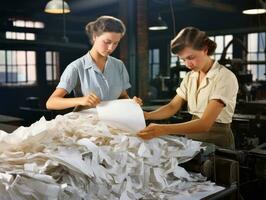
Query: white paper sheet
x=123 y=113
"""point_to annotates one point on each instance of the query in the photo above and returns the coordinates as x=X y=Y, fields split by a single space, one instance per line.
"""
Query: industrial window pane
x=14 y=58
x=8 y=35
x=31 y=73
x=154 y=63
x=21 y=73
x=9 y=57
x=261 y=72
x=156 y=56
x=52 y=65
x=19 y=23
x=31 y=57
x=48 y=57
x=14 y=35
x=2 y=68
x=220 y=44
x=261 y=42
x=21 y=57
x=2 y=73
x=55 y=58
x=12 y=75
x=252 y=42
x=228 y=38
x=20 y=36
x=2 y=57
x=150 y=56
x=29 y=24
x=49 y=76
x=261 y=56
x=30 y=36
x=156 y=70
x=39 y=25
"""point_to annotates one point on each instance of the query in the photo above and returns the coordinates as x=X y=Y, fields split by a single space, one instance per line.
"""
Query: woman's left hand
x=151 y=131
x=138 y=100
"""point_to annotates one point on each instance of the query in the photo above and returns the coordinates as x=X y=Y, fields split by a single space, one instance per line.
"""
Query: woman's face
x=107 y=42
x=194 y=60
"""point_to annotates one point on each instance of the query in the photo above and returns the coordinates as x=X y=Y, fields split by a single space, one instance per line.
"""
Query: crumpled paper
x=76 y=157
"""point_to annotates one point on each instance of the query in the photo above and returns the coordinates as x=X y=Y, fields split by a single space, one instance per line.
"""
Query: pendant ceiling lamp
x=158 y=24
x=254 y=7
x=57 y=7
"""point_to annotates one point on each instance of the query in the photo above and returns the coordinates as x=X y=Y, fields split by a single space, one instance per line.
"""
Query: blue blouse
x=83 y=77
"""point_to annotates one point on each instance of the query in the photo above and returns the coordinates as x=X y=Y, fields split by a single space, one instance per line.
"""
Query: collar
x=214 y=69
x=89 y=63
x=211 y=73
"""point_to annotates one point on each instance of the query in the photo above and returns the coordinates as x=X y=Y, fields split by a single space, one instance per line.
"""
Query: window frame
x=10 y=65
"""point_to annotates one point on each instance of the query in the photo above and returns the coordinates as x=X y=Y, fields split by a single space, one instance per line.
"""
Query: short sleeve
x=226 y=88
x=69 y=78
x=125 y=77
x=182 y=89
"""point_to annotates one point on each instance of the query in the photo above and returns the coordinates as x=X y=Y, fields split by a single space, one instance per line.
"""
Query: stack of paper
x=77 y=156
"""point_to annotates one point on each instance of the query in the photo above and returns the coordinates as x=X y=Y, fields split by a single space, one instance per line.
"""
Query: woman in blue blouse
x=96 y=76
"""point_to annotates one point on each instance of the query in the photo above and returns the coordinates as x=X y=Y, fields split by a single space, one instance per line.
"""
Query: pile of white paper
x=76 y=157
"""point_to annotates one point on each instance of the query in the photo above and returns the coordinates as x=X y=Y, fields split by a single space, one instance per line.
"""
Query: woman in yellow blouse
x=209 y=89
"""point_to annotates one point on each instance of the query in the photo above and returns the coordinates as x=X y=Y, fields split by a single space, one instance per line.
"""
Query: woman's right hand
x=146 y=115
x=90 y=100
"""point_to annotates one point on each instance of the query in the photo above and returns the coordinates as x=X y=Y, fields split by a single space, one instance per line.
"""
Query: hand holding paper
x=123 y=113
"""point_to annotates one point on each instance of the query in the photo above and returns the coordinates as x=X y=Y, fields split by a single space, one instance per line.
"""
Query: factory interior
x=36 y=47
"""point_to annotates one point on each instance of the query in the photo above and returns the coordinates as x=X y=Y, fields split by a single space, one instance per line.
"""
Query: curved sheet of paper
x=122 y=113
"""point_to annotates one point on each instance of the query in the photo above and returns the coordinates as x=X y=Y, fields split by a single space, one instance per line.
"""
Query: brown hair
x=104 y=24
x=194 y=38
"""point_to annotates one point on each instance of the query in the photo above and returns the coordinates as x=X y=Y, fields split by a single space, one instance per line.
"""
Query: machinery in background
x=250 y=118
x=247 y=87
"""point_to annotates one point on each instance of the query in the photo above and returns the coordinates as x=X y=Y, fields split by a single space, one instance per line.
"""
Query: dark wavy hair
x=194 y=38
x=104 y=24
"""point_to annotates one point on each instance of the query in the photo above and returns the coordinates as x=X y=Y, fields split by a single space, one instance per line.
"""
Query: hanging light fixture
x=57 y=7
x=255 y=7
x=158 y=24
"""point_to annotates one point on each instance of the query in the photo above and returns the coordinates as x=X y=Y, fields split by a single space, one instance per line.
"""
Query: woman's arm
x=167 y=110
x=57 y=101
x=203 y=124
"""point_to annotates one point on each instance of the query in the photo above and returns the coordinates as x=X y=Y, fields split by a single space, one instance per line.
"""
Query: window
x=17 y=67
x=154 y=63
x=175 y=61
x=256 y=52
x=24 y=35
x=222 y=41
x=52 y=65
x=20 y=36
x=28 y=24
